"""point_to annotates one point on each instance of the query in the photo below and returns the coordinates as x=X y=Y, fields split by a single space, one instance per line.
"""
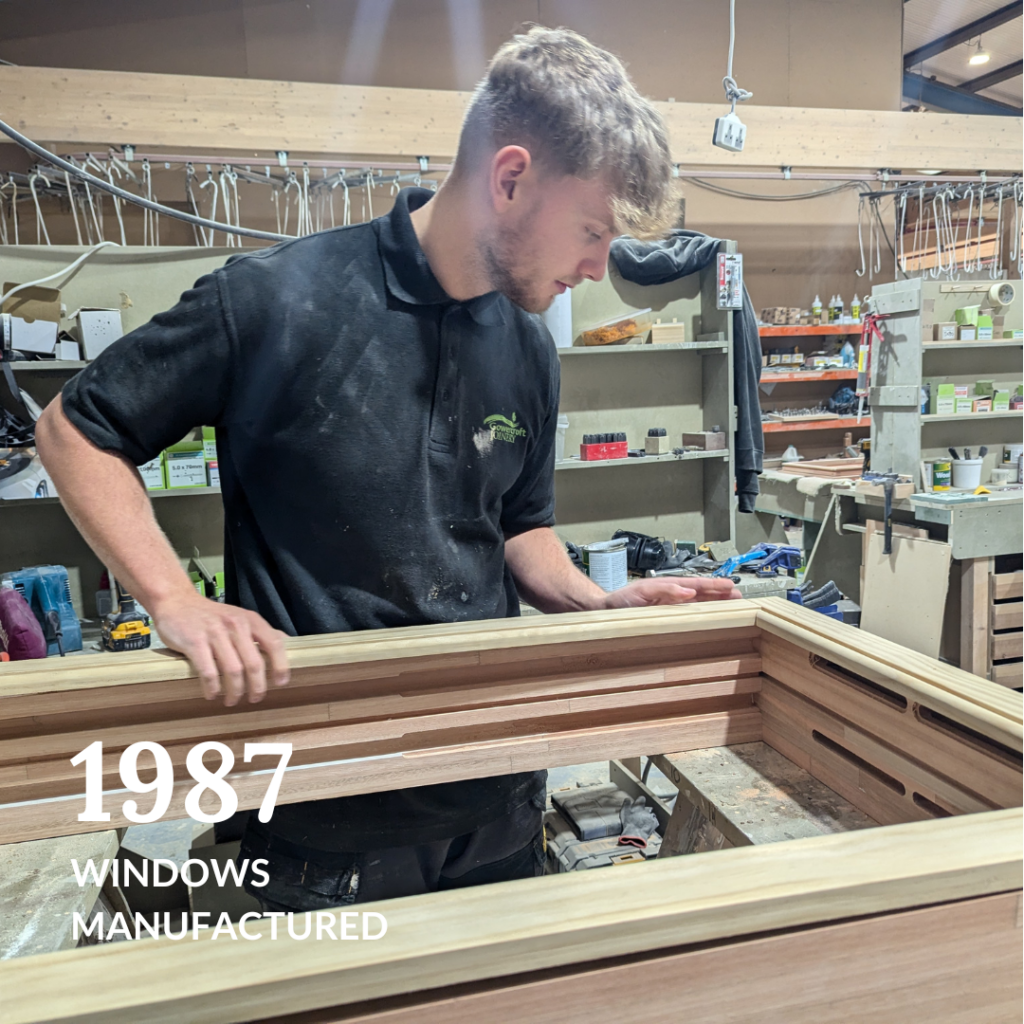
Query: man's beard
x=499 y=255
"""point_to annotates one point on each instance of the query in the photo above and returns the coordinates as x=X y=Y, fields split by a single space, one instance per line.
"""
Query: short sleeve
x=147 y=390
x=530 y=502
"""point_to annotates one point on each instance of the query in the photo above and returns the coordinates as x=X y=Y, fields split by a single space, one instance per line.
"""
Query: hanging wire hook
x=995 y=271
x=41 y=231
x=210 y=183
x=860 y=237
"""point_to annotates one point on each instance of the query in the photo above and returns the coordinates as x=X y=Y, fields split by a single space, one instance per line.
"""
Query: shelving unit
x=38 y=531
x=681 y=386
x=901 y=436
x=812 y=438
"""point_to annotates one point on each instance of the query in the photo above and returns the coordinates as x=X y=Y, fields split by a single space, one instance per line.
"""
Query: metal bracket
x=129 y=152
x=424 y=164
x=787 y=172
x=282 y=157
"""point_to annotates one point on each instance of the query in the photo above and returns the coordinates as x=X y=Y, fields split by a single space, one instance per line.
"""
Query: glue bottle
x=816 y=307
x=831 y=309
x=855 y=308
x=839 y=308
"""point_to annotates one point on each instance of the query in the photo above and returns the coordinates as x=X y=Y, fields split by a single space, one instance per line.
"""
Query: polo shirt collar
x=407 y=272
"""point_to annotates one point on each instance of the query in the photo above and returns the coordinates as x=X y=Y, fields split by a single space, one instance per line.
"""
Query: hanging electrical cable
x=120 y=193
x=737 y=194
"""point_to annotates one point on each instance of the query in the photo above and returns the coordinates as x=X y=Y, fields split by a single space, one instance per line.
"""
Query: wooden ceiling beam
x=256 y=118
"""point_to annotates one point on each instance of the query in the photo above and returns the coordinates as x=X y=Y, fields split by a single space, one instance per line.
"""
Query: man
x=354 y=378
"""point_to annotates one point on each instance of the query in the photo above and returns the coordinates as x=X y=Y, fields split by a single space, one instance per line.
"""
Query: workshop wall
x=815 y=53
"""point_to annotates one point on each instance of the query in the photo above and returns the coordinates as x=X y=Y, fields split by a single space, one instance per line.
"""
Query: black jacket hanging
x=680 y=254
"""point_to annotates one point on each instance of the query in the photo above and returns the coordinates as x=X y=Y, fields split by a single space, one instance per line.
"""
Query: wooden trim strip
x=534 y=924
x=953 y=962
x=478 y=642
x=400 y=769
x=972 y=701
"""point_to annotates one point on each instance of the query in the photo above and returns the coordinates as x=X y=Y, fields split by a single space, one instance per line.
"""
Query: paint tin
x=941 y=475
x=1011 y=453
x=605 y=563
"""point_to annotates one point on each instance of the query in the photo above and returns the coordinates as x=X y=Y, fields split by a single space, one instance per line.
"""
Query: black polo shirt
x=377 y=442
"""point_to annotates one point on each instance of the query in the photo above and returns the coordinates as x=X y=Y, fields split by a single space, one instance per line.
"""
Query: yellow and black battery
x=126 y=629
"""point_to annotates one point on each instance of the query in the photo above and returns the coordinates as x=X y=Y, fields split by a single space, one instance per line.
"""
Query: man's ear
x=508 y=166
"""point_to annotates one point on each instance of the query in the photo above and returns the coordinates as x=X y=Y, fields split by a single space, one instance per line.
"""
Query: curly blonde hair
x=572 y=105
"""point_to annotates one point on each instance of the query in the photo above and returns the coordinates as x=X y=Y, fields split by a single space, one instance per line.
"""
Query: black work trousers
x=304 y=879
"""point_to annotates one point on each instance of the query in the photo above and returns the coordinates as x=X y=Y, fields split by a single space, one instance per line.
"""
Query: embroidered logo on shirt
x=504 y=429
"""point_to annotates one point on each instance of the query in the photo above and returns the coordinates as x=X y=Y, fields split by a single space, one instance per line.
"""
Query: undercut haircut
x=574 y=108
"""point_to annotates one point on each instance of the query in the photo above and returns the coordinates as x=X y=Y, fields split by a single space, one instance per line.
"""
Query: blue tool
x=48 y=593
x=783 y=557
x=770 y=558
x=730 y=565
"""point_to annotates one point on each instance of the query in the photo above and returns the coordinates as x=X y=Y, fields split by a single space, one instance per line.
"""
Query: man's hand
x=671 y=590
x=225 y=644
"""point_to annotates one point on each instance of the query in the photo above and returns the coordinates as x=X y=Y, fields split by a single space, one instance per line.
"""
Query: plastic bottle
x=839 y=308
x=832 y=309
x=855 y=307
x=816 y=307
x=848 y=354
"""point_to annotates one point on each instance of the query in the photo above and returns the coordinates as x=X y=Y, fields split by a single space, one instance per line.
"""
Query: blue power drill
x=48 y=593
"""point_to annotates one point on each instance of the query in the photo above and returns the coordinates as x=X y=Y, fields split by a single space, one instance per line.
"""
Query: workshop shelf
x=668 y=346
x=1001 y=415
x=788 y=377
x=843 y=423
x=177 y=492
x=994 y=343
x=48 y=365
x=668 y=457
x=801 y=331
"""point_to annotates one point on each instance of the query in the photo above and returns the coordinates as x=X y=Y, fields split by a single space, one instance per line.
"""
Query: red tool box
x=603 y=446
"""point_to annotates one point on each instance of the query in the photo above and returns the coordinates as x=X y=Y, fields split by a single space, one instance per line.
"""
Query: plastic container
x=563 y=426
x=558 y=318
x=941 y=474
x=617 y=329
x=967 y=474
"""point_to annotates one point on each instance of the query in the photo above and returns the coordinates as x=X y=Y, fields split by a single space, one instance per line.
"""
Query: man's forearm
x=107 y=500
x=551 y=583
x=546 y=577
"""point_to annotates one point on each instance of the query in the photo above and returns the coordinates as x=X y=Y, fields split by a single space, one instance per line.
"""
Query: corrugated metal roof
x=926 y=20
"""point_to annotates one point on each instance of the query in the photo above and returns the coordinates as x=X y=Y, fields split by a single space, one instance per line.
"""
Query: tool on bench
x=770 y=558
x=825 y=600
x=125 y=628
x=888 y=482
x=47 y=591
x=953 y=452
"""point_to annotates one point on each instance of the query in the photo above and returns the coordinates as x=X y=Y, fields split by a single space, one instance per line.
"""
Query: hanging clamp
x=129 y=152
x=282 y=157
x=424 y=164
x=787 y=172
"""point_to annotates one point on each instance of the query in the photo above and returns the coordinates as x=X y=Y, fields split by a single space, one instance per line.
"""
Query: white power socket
x=730 y=133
